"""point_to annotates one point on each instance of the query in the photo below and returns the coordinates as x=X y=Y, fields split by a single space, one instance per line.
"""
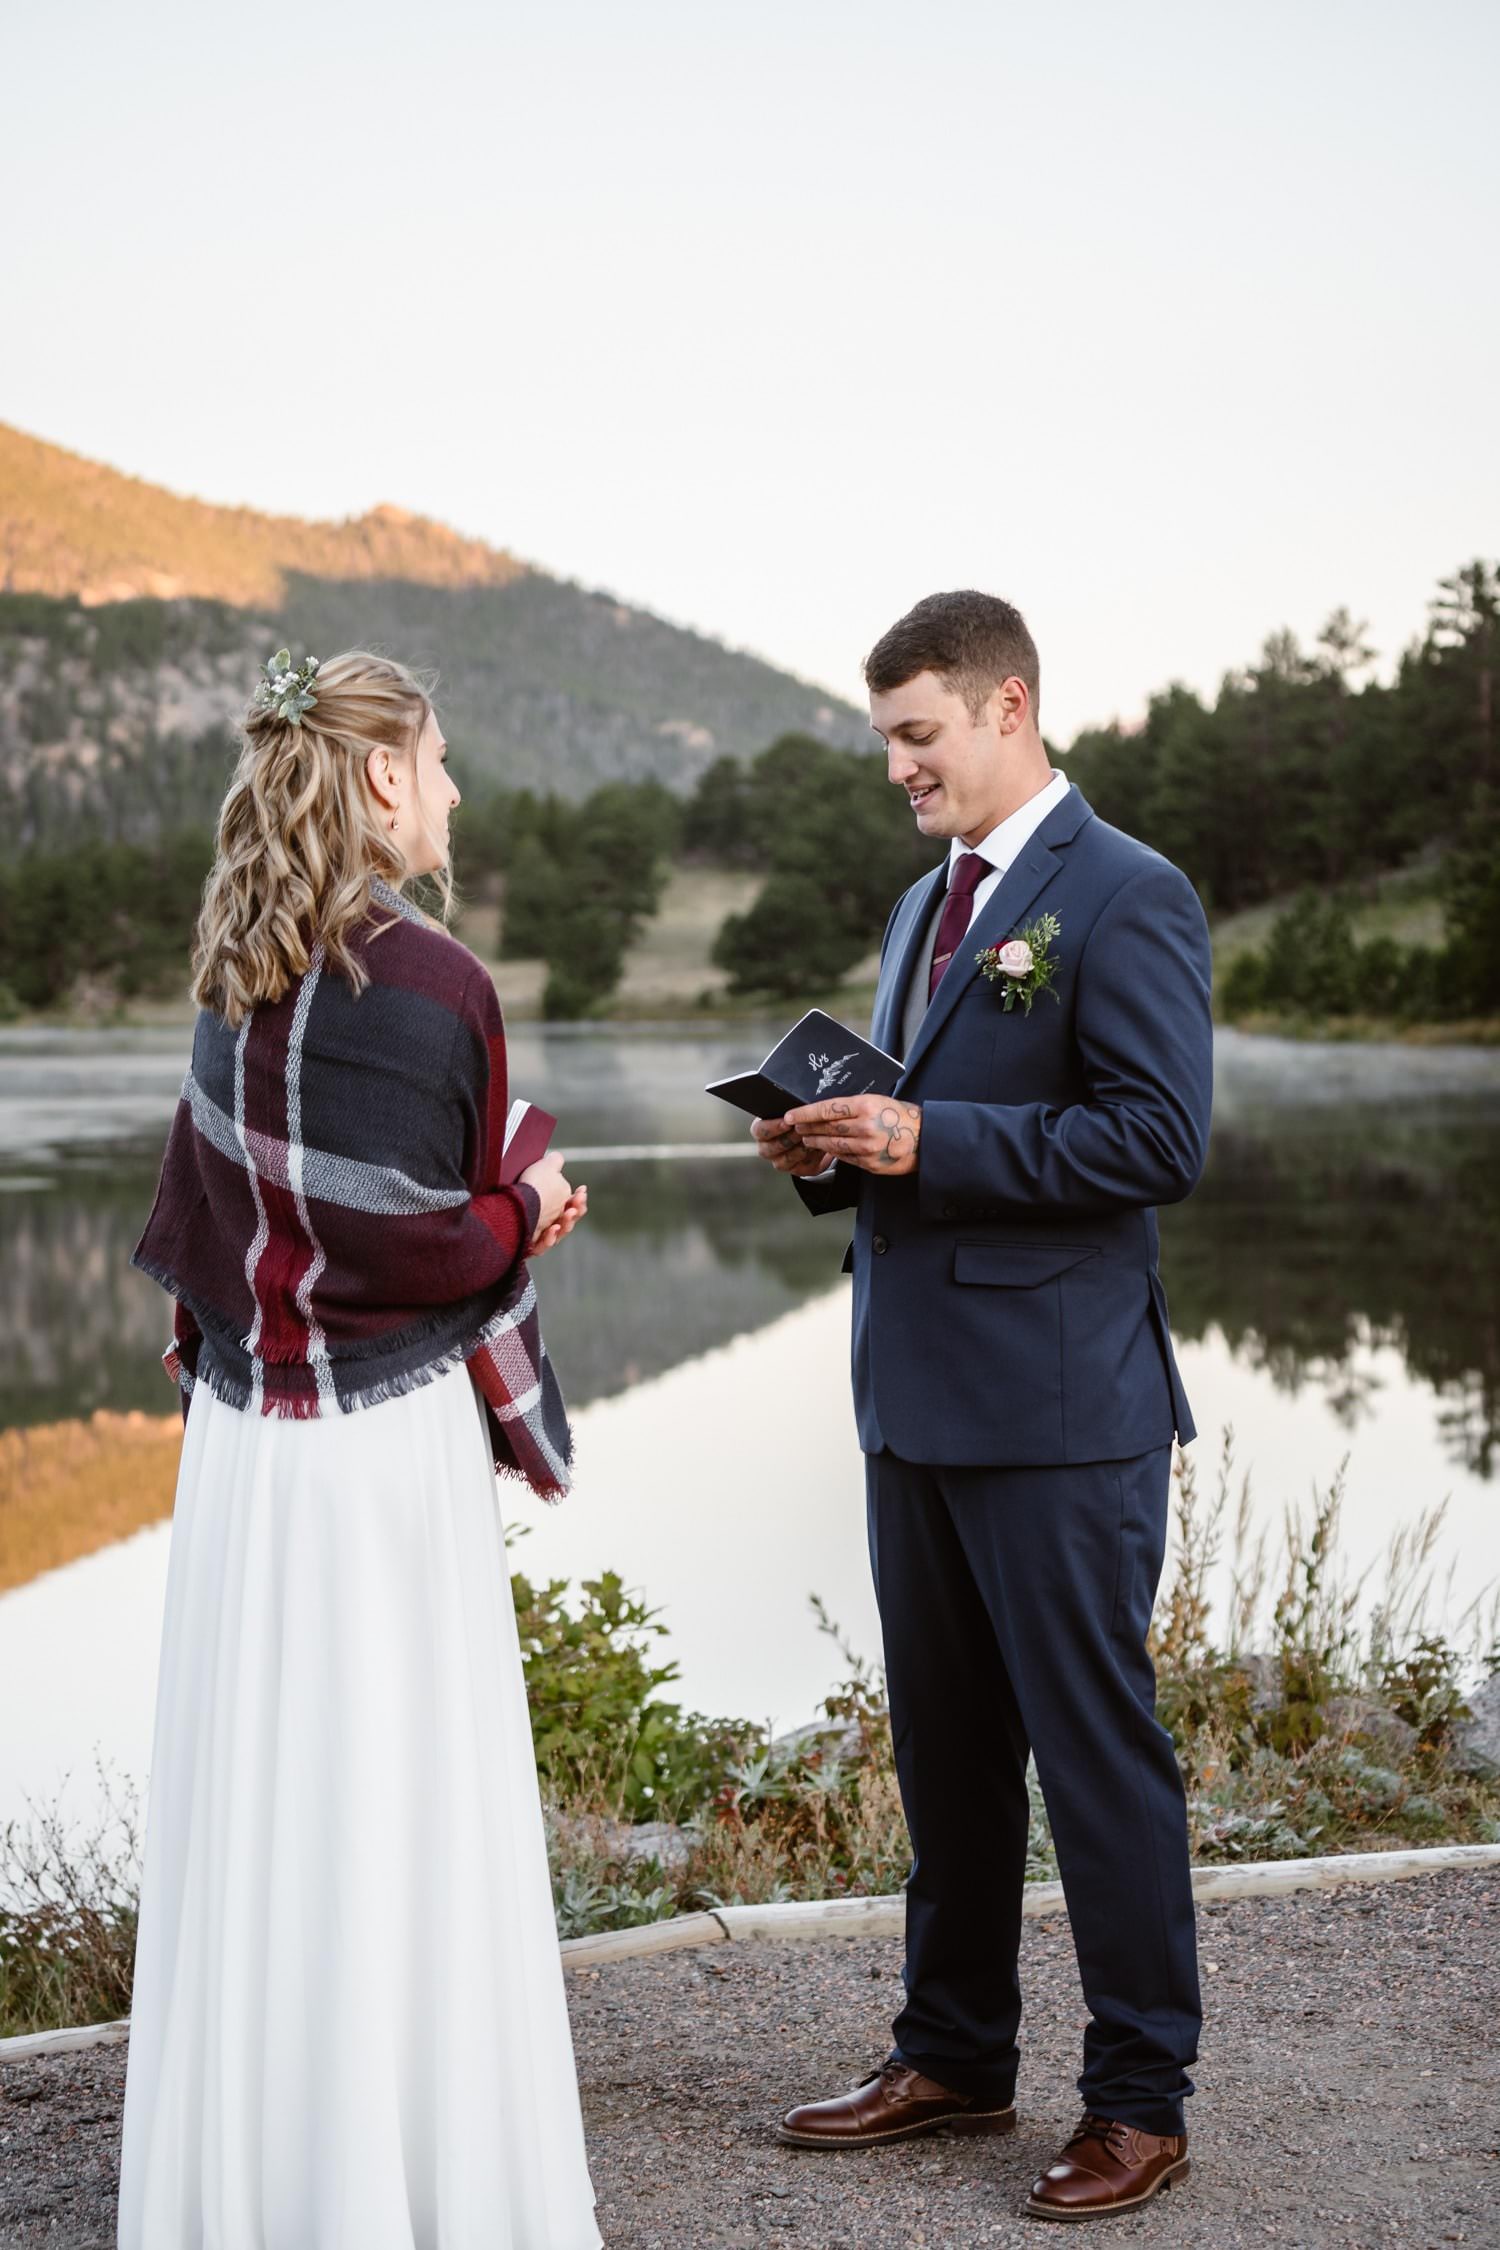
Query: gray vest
x=915 y=1006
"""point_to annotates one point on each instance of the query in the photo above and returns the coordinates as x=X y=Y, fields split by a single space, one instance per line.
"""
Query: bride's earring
x=393 y=824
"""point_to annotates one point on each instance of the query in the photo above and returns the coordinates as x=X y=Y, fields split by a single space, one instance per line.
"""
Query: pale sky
x=1171 y=323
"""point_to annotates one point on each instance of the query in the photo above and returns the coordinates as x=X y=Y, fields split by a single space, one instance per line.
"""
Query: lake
x=1333 y=1285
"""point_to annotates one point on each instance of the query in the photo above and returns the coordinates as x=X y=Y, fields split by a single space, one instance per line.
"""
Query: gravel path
x=1349 y=2076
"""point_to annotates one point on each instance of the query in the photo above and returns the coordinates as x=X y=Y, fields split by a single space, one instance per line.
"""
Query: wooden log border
x=804 y=1921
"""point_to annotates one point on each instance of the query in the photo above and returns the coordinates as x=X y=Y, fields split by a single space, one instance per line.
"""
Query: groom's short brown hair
x=971 y=641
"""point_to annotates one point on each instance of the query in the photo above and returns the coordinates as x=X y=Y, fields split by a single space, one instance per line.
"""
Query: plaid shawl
x=329 y=1216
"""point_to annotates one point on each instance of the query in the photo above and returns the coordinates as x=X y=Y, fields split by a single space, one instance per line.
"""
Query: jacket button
x=950 y=1210
x=879 y=1245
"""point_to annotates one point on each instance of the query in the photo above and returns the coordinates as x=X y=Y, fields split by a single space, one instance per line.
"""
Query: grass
x=1323 y=1720
x=668 y=974
x=1403 y=904
x=668 y=978
x=67 y=1944
x=1470 y=1031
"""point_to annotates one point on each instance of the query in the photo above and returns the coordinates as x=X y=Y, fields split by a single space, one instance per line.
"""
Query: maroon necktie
x=958 y=911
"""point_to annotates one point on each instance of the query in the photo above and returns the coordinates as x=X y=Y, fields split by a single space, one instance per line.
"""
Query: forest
x=1305 y=781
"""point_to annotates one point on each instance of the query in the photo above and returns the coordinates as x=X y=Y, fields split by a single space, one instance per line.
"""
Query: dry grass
x=68 y=1910
x=1403 y=903
x=67 y=1488
x=668 y=973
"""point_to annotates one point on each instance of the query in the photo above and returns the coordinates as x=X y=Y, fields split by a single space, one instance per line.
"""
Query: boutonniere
x=1023 y=965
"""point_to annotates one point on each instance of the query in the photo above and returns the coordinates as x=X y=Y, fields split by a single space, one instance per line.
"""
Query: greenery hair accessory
x=284 y=691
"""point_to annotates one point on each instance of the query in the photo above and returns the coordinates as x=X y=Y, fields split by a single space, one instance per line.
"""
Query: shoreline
x=658 y=1013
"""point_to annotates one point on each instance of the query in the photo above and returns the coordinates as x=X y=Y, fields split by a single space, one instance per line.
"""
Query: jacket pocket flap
x=1016 y=1265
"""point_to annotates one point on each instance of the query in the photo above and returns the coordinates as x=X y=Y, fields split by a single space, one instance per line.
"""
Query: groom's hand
x=870 y=1130
x=785 y=1149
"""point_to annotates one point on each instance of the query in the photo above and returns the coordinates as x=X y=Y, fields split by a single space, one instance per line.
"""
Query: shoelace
x=1107 y=2130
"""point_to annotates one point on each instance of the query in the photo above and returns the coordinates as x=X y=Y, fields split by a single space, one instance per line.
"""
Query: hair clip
x=284 y=691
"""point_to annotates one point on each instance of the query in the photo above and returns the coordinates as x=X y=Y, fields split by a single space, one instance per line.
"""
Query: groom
x=1017 y=1397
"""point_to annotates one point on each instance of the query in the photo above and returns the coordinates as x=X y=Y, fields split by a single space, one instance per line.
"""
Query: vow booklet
x=527 y=1132
x=818 y=1059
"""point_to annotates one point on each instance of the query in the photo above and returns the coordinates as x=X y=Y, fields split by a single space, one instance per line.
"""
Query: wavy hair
x=301 y=834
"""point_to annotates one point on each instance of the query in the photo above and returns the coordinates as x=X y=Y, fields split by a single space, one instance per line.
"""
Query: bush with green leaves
x=599 y=1722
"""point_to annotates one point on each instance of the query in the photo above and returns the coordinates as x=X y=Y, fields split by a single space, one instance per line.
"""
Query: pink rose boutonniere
x=1024 y=965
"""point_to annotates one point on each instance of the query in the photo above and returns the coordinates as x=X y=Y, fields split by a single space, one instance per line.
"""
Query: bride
x=348 y=2029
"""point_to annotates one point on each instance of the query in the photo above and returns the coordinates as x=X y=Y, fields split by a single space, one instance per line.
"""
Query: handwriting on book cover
x=830 y=1074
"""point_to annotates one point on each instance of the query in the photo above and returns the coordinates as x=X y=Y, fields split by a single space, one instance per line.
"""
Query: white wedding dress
x=349 y=2029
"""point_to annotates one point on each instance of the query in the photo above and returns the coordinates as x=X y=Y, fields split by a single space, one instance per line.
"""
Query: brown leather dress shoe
x=890 y=2105
x=1106 y=2167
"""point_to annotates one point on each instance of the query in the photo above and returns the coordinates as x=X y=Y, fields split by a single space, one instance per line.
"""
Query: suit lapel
x=900 y=958
x=1023 y=881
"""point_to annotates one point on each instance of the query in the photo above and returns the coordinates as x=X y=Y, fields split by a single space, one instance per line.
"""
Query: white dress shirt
x=1003 y=844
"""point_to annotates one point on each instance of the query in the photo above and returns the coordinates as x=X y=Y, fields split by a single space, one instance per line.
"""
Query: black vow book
x=819 y=1059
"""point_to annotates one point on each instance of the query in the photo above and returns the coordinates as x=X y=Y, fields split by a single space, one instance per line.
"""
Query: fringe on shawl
x=236 y=1392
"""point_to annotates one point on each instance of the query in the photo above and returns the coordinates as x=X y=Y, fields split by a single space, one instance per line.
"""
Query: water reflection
x=1331 y=1234
x=1333 y=1286
x=1349 y=1210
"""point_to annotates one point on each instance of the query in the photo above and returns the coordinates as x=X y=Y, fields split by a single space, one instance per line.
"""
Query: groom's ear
x=1009 y=705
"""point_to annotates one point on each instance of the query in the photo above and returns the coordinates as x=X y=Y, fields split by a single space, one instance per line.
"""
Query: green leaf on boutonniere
x=1024 y=964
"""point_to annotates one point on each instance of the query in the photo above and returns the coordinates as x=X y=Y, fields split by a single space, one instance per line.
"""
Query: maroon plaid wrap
x=329 y=1216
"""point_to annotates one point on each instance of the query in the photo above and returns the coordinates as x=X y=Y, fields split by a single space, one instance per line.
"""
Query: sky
x=1172 y=324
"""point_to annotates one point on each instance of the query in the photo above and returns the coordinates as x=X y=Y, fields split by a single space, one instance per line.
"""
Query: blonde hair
x=301 y=834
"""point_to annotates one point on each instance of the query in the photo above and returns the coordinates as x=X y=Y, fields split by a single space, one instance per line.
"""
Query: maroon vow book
x=527 y=1133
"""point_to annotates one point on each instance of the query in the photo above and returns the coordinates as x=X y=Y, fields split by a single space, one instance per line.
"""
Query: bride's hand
x=547 y=1238
x=551 y=1187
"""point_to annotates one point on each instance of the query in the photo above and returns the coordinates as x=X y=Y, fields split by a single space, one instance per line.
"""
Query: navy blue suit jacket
x=1007 y=1307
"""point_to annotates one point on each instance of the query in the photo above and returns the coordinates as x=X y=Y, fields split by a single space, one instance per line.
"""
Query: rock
x=1264 y=1675
x=1358 y=1717
x=1476 y=1740
x=1374 y=1723
x=623 y=1842
x=841 y=1739
x=662 y=1840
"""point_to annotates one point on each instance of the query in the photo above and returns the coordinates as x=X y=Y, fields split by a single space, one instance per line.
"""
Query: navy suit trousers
x=1014 y=1607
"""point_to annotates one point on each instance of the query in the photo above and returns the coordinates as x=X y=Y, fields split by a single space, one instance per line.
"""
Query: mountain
x=133 y=622
x=70 y=526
